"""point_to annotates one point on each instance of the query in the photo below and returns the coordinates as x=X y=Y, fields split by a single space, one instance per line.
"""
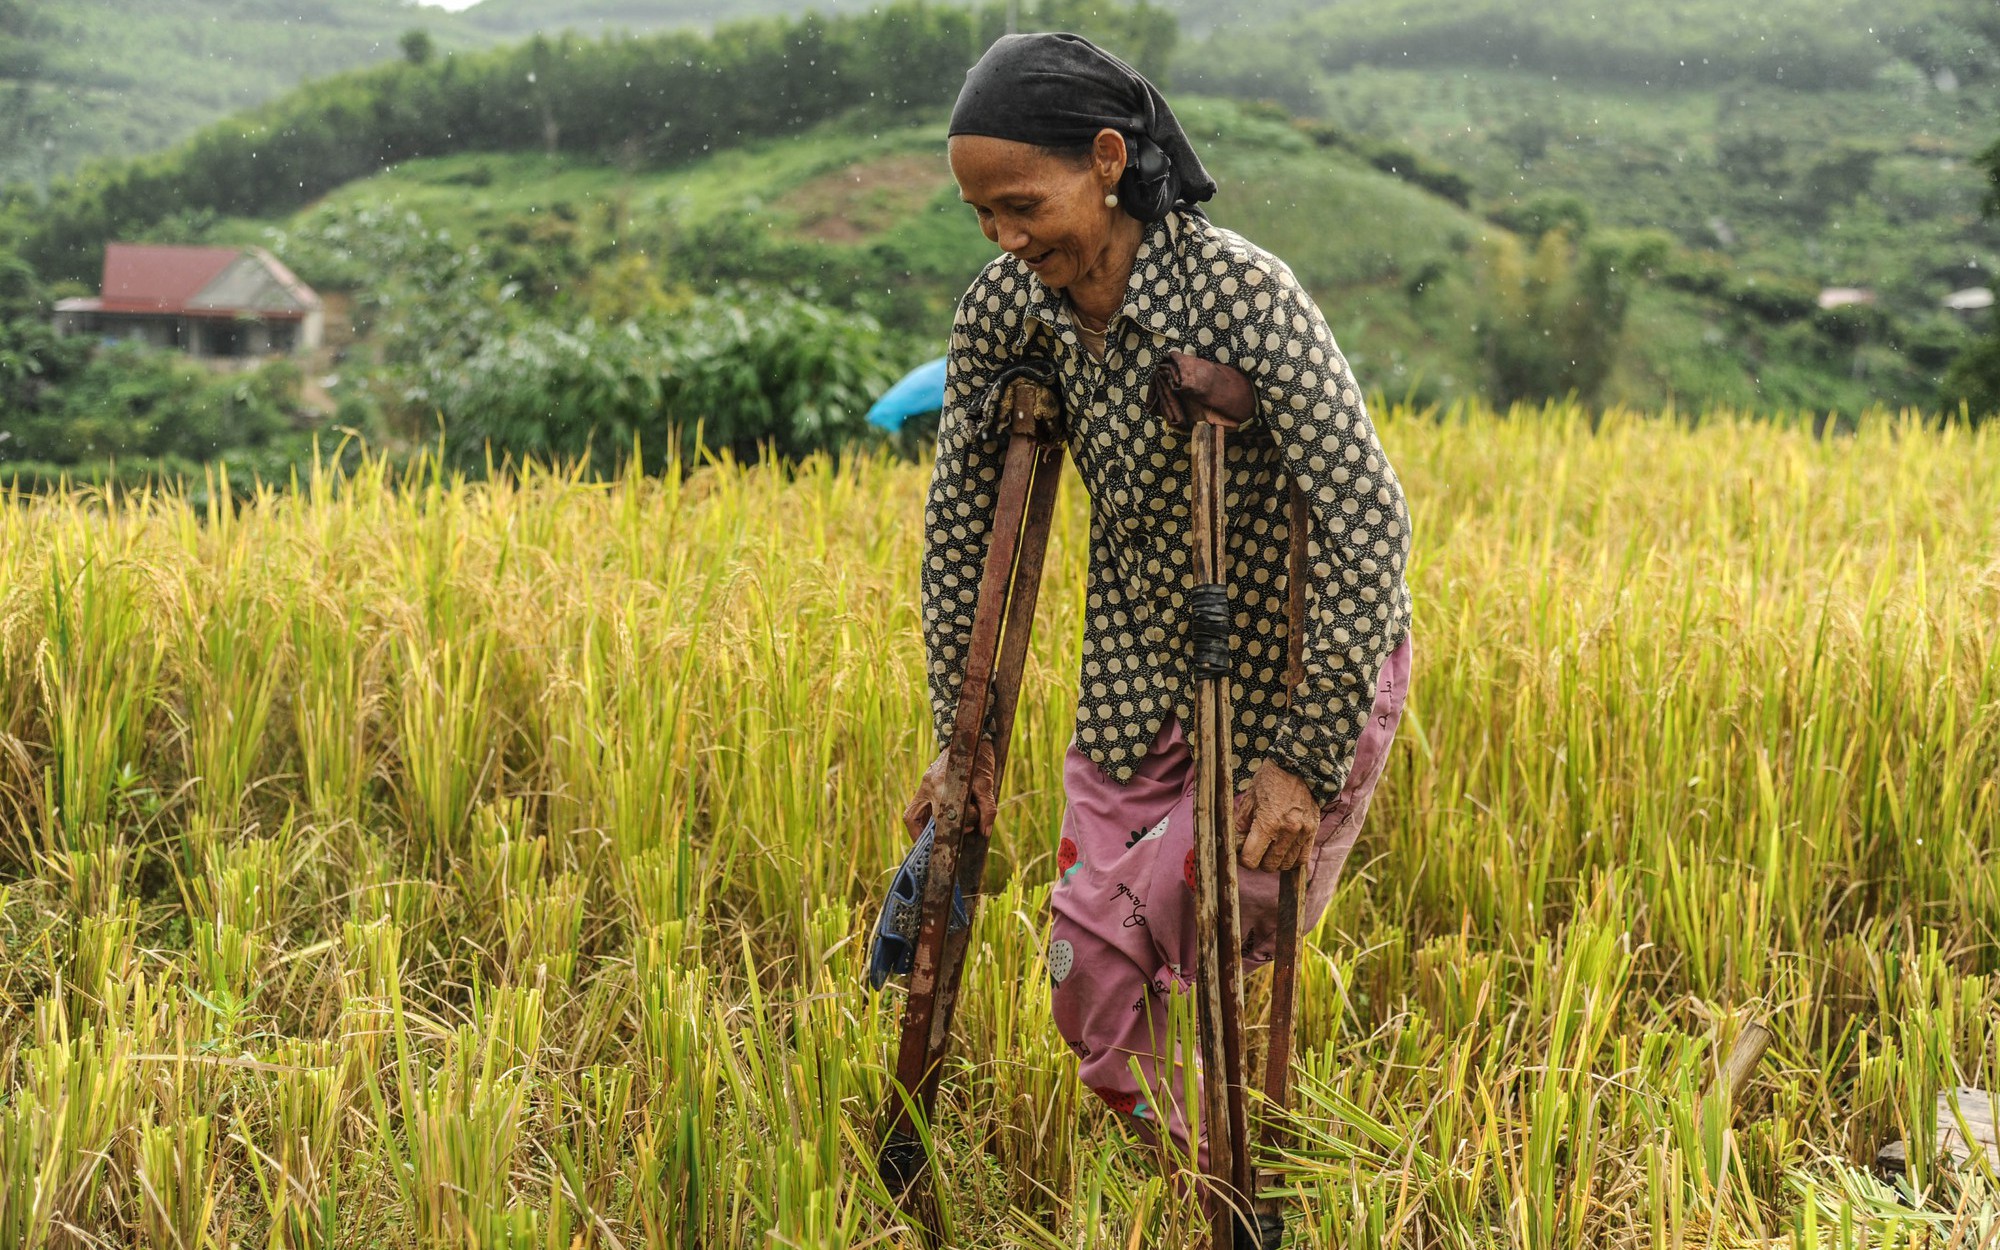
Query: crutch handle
x=1187 y=389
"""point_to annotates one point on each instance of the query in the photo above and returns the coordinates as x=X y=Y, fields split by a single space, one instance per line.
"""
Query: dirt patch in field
x=855 y=204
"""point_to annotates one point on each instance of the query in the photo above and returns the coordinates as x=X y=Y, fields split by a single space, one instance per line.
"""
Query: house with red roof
x=206 y=301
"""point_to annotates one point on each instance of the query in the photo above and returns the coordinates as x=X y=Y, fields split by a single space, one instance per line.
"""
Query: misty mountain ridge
x=83 y=79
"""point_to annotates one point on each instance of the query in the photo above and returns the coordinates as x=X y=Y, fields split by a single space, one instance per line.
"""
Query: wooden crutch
x=1218 y=923
x=1291 y=882
x=1210 y=400
x=1002 y=623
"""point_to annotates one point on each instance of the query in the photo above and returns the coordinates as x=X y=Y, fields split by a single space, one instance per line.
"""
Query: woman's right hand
x=925 y=801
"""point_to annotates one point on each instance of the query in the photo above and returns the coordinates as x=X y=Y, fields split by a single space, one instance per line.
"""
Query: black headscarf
x=1059 y=91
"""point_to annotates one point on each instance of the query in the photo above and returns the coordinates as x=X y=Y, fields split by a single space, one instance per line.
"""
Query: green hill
x=83 y=79
x=89 y=78
x=1800 y=44
x=1490 y=229
x=111 y=78
x=872 y=217
x=1785 y=148
x=517 y=19
x=869 y=220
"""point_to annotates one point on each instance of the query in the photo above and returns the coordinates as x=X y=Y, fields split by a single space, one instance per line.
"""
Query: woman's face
x=1047 y=210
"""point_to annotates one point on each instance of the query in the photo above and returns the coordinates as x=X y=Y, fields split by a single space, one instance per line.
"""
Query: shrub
x=1432 y=177
x=1973 y=382
x=1393 y=159
x=1773 y=298
x=1853 y=324
x=131 y=401
x=1832 y=180
x=1552 y=318
x=1550 y=210
x=32 y=358
x=1698 y=273
x=748 y=372
x=1753 y=156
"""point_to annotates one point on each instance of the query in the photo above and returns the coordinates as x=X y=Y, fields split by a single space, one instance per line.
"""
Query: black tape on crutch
x=1035 y=369
x=1208 y=630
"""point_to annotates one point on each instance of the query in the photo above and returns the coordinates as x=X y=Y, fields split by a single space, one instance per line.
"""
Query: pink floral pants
x=1123 y=936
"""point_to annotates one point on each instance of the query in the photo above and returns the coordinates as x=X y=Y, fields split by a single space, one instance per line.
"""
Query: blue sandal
x=895 y=950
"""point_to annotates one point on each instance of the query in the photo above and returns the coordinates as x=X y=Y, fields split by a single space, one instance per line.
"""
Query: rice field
x=402 y=862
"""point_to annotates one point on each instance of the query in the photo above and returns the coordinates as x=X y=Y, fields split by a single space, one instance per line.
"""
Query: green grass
x=482 y=190
x=410 y=863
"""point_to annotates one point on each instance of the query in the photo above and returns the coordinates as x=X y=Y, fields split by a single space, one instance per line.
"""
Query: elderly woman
x=1078 y=170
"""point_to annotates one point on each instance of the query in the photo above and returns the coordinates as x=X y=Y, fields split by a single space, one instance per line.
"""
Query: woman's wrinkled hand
x=1276 y=820
x=925 y=801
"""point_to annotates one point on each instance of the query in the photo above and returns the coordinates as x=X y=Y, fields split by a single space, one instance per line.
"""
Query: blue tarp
x=920 y=391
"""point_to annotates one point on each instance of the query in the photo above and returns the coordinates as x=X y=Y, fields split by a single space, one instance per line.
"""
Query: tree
x=1752 y=158
x=1141 y=34
x=28 y=106
x=418 y=47
x=20 y=39
x=1541 y=213
x=1553 y=317
x=1527 y=136
x=32 y=358
x=1832 y=180
x=1991 y=160
x=1974 y=378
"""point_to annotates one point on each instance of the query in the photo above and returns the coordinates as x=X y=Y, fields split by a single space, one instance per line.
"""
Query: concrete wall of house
x=161 y=332
x=200 y=337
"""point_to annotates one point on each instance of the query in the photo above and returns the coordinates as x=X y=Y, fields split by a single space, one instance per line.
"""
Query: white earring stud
x=1111 y=199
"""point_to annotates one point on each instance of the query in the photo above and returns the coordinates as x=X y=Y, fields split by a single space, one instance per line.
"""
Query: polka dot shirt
x=1204 y=290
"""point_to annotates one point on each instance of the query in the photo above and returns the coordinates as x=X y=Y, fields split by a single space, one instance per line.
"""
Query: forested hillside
x=550 y=244
x=631 y=101
x=1787 y=149
x=1802 y=44
x=87 y=78
x=517 y=19
x=84 y=79
x=750 y=358
x=109 y=77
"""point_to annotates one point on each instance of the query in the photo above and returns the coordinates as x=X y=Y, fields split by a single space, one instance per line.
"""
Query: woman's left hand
x=1276 y=819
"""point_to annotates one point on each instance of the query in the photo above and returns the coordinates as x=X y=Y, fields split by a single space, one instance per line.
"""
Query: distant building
x=1845 y=296
x=205 y=301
